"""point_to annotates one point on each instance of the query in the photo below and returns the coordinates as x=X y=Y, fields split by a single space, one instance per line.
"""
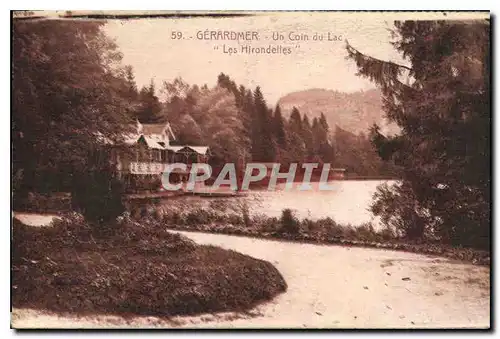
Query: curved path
x=332 y=287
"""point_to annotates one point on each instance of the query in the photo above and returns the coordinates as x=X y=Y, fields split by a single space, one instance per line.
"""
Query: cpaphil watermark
x=198 y=173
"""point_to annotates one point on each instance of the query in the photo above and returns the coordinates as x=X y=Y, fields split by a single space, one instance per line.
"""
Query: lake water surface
x=347 y=203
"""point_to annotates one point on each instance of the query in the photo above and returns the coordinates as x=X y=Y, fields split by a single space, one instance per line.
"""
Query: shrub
x=289 y=223
x=387 y=234
x=309 y=225
x=142 y=269
x=349 y=232
x=267 y=224
x=140 y=183
x=98 y=196
x=234 y=219
x=331 y=228
x=459 y=220
x=366 y=232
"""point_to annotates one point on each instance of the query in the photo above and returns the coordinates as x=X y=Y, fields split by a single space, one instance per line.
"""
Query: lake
x=347 y=203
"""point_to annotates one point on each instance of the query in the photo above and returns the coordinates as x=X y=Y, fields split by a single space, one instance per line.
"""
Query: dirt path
x=333 y=287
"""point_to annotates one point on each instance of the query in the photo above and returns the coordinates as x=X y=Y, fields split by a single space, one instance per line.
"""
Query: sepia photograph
x=250 y=170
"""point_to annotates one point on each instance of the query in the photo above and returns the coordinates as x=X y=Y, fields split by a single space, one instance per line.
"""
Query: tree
x=188 y=132
x=296 y=146
x=358 y=155
x=295 y=121
x=225 y=81
x=178 y=88
x=150 y=108
x=443 y=110
x=307 y=136
x=262 y=140
x=130 y=92
x=68 y=89
x=130 y=81
x=279 y=127
x=246 y=111
x=218 y=116
x=97 y=193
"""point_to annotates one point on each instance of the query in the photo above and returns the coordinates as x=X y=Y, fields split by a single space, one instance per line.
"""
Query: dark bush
x=98 y=196
x=142 y=269
x=199 y=216
x=289 y=223
x=387 y=234
x=42 y=203
x=366 y=233
x=399 y=210
x=452 y=221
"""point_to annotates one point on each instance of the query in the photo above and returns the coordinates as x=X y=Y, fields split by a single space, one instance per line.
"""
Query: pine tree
x=130 y=79
x=296 y=146
x=307 y=136
x=263 y=143
x=322 y=121
x=295 y=121
x=149 y=105
x=444 y=114
x=279 y=127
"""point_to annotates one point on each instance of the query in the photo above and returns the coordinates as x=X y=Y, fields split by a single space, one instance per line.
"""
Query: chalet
x=339 y=173
x=151 y=148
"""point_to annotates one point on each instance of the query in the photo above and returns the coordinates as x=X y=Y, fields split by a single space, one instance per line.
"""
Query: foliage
x=289 y=222
x=97 y=193
x=188 y=131
x=239 y=126
x=322 y=231
x=68 y=90
x=144 y=269
x=148 y=105
x=443 y=110
x=399 y=210
x=43 y=203
x=279 y=127
x=357 y=155
x=207 y=117
x=263 y=148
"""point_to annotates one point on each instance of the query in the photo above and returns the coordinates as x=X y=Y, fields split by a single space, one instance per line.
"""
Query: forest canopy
x=444 y=113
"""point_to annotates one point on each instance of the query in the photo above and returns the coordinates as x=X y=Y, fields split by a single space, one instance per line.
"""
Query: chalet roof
x=152 y=142
x=152 y=128
x=151 y=135
x=198 y=149
x=130 y=139
x=155 y=143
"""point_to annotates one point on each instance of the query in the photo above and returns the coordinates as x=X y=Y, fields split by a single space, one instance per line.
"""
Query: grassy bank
x=54 y=203
x=137 y=268
x=236 y=220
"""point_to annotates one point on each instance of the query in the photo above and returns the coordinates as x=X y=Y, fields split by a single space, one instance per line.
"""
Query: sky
x=148 y=46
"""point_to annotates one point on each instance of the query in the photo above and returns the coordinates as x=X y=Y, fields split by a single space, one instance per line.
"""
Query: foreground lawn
x=134 y=268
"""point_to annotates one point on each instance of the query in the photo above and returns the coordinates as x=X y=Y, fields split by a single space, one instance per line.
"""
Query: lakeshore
x=378 y=289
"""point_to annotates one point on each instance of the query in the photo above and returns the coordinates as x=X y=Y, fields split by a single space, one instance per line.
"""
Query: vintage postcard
x=237 y=170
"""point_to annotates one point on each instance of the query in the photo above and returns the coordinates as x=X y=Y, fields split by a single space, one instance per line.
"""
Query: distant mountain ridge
x=354 y=112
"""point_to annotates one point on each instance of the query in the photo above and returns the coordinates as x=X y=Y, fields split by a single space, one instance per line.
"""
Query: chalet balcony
x=150 y=161
x=137 y=167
